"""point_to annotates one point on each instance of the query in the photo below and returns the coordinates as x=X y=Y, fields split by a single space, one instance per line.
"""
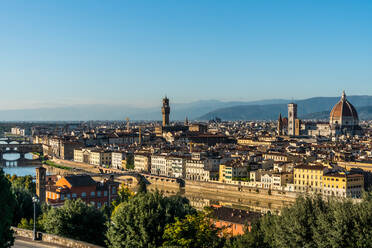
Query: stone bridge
x=15 y=140
x=21 y=149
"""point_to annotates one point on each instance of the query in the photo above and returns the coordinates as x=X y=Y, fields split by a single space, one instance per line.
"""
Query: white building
x=170 y=166
x=117 y=160
x=203 y=168
x=175 y=167
x=267 y=180
x=159 y=165
x=142 y=162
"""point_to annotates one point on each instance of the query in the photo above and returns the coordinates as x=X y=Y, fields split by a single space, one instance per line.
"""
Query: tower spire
x=343 y=95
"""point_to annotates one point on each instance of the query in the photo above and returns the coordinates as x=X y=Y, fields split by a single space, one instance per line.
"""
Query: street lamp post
x=35 y=200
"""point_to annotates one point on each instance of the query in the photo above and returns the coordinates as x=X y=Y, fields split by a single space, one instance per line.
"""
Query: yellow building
x=308 y=178
x=230 y=171
x=78 y=155
x=317 y=179
x=343 y=184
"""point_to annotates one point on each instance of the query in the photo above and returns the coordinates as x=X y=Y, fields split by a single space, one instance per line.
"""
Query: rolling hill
x=312 y=108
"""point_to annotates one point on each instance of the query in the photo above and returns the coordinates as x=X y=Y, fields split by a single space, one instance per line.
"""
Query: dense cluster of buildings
x=331 y=158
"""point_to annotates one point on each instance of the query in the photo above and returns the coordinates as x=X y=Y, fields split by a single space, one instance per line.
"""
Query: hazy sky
x=66 y=52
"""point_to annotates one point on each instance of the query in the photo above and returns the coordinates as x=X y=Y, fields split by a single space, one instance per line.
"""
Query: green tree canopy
x=194 y=231
x=124 y=194
x=24 y=207
x=76 y=220
x=140 y=221
x=313 y=222
x=6 y=212
x=25 y=182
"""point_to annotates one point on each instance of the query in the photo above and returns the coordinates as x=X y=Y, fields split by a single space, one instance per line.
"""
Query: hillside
x=312 y=108
x=365 y=113
x=179 y=111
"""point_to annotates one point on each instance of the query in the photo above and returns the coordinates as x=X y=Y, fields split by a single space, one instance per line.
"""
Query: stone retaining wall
x=53 y=239
x=163 y=181
x=236 y=190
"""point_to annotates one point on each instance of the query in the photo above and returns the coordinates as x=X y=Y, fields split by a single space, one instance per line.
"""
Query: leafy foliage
x=130 y=162
x=194 y=231
x=124 y=194
x=24 y=207
x=29 y=224
x=6 y=210
x=140 y=221
x=52 y=164
x=76 y=220
x=25 y=182
x=142 y=185
x=253 y=239
x=313 y=222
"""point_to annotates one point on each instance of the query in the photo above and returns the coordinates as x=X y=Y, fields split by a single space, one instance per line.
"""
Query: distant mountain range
x=312 y=108
x=179 y=111
x=364 y=113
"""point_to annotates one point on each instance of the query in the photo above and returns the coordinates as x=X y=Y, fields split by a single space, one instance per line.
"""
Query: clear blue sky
x=67 y=52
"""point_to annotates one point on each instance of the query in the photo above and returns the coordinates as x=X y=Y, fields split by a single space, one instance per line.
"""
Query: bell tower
x=292 y=116
x=40 y=183
x=280 y=125
x=165 y=111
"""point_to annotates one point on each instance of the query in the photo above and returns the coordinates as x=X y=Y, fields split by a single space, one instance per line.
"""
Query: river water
x=11 y=164
x=20 y=171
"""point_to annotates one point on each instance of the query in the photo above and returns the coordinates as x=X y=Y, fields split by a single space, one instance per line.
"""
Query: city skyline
x=68 y=53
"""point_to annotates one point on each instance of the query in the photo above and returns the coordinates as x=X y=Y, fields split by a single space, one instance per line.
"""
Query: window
x=73 y=195
x=62 y=197
x=99 y=193
x=92 y=193
x=105 y=193
x=83 y=194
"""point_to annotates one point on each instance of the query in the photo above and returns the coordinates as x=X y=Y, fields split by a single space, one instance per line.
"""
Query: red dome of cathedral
x=344 y=113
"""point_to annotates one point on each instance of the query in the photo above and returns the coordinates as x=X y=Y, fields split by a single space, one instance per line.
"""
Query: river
x=11 y=167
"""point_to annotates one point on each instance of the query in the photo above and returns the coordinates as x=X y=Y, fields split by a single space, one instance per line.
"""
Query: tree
x=76 y=220
x=140 y=221
x=25 y=182
x=252 y=239
x=29 y=224
x=25 y=224
x=142 y=185
x=130 y=162
x=124 y=194
x=24 y=207
x=6 y=212
x=194 y=231
x=313 y=222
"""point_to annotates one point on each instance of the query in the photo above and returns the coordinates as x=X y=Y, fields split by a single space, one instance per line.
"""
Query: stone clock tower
x=165 y=111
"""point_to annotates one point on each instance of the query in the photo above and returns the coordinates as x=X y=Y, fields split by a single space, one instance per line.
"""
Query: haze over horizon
x=133 y=53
